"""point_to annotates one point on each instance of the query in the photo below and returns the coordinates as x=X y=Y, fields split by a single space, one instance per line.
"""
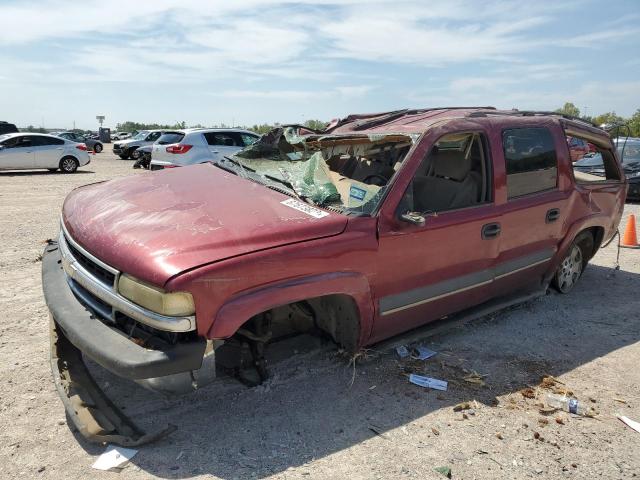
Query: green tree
x=634 y=124
x=569 y=109
x=609 y=118
x=318 y=125
x=261 y=129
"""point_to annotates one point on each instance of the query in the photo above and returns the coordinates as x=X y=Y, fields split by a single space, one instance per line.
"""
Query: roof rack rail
x=532 y=113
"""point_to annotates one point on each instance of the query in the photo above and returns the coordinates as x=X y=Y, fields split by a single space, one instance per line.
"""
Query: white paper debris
x=423 y=353
x=428 y=382
x=402 y=351
x=630 y=423
x=114 y=457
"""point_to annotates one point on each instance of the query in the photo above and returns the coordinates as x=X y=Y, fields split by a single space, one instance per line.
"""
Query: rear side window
x=170 y=137
x=230 y=139
x=45 y=141
x=531 y=161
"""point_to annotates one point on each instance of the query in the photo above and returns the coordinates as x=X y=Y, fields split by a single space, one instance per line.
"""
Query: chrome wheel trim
x=68 y=165
x=570 y=269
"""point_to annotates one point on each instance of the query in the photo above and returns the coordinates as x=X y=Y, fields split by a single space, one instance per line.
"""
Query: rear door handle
x=552 y=215
x=490 y=230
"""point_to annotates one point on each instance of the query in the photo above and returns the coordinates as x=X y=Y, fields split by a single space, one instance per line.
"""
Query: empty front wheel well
x=335 y=315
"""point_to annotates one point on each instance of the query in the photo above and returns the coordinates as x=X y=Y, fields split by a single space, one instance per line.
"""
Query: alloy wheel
x=570 y=269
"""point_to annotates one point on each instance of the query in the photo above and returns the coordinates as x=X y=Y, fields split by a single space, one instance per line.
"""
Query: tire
x=574 y=263
x=135 y=155
x=69 y=164
x=97 y=148
x=123 y=156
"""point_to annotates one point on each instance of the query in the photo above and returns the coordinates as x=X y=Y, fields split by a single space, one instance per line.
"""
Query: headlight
x=174 y=304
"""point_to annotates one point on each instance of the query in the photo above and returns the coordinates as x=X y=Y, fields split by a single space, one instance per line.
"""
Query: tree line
x=129 y=126
x=607 y=119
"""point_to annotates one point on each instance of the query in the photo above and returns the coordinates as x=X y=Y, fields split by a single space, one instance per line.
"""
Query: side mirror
x=413 y=217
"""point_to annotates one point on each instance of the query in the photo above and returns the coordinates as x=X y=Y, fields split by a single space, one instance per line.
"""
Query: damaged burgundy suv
x=378 y=225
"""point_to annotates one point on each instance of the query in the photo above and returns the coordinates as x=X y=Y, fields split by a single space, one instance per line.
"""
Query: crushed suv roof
x=419 y=120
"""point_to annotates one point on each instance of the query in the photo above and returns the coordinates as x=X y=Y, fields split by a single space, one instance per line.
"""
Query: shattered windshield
x=349 y=173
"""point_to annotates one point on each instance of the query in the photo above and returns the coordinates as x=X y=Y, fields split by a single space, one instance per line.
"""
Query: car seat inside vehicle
x=451 y=176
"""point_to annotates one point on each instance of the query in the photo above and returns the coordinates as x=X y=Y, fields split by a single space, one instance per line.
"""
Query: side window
x=596 y=165
x=11 y=142
x=531 y=161
x=455 y=174
x=222 y=139
x=46 y=141
x=248 y=139
x=153 y=136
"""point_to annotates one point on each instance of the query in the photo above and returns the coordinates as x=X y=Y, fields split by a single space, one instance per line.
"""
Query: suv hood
x=156 y=225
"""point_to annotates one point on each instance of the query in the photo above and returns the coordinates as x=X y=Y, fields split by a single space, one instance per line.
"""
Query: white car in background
x=178 y=148
x=30 y=151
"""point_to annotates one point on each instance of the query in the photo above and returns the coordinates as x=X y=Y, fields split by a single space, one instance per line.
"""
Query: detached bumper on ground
x=76 y=330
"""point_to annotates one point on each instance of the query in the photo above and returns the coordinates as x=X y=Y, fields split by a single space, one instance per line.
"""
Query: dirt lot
x=319 y=417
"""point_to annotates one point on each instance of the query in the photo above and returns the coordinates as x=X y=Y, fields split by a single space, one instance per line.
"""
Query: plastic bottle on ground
x=568 y=404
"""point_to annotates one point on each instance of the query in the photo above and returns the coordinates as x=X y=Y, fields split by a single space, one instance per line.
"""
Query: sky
x=244 y=62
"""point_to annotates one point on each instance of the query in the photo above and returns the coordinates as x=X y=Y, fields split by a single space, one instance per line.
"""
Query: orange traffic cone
x=630 y=240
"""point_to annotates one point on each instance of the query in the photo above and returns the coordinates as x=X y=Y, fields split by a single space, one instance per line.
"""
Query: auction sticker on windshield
x=303 y=207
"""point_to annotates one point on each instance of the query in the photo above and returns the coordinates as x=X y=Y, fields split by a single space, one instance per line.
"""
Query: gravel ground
x=321 y=417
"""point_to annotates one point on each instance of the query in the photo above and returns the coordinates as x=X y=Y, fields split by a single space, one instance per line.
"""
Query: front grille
x=96 y=270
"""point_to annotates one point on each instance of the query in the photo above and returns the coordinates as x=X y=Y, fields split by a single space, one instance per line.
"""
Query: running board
x=90 y=410
x=459 y=319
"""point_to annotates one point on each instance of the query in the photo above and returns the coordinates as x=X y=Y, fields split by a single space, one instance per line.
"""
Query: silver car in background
x=178 y=148
x=129 y=148
x=30 y=151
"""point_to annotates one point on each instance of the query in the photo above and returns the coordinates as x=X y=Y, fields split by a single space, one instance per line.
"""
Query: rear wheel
x=97 y=148
x=69 y=164
x=574 y=262
x=136 y=154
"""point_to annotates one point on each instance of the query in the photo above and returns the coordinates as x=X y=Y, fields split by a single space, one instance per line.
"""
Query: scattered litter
x=428 y=382
x=559 y=421
x=114 y=458
x=619 y=400
x=547 y=410
x=569 y=404
x=372 y=387
x=482 y=452
x=462 y=406
x=446 y=471
x=630 y=423
x=402 y=351
x=528 y=392
x=435 y=431
x=543 y=422
x=499 y=436
x=537 y=436
x=422 y=353
x=475 y=378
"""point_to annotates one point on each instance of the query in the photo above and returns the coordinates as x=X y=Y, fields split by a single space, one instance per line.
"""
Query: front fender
x=242 y=307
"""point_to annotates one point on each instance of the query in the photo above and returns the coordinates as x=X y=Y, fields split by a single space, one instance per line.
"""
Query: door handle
x=215 y=151
x=552 y=215
x=490 y=230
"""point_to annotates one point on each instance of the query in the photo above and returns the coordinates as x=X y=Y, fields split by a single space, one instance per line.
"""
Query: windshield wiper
x=287 y=184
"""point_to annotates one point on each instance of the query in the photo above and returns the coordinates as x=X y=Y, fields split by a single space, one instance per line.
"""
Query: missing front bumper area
x=90 y=410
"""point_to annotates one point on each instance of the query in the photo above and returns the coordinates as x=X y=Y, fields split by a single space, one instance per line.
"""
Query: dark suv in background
x=6 y=127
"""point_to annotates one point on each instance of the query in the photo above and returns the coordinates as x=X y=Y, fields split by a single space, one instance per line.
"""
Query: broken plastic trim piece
x=92 y=413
